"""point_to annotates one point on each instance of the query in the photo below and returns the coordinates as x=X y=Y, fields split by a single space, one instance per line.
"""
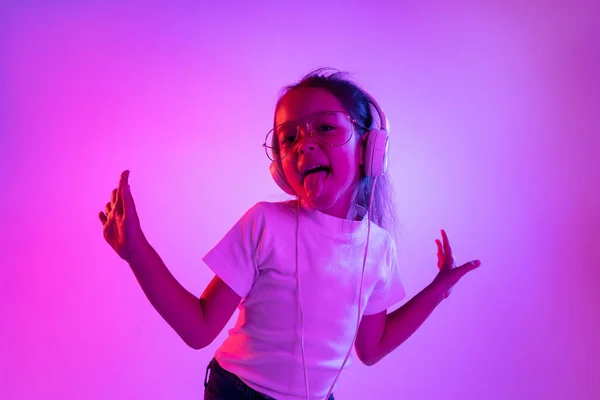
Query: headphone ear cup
x=280 y=179
x=376 y=151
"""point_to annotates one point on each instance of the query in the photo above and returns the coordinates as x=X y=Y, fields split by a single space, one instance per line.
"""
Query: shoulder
x=262 y=208
x=271 y=209
x=381 y=239
x=383 y=244
x=265 y=214
x=288 y=206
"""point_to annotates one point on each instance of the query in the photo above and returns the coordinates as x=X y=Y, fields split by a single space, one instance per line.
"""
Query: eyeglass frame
x=305 y=122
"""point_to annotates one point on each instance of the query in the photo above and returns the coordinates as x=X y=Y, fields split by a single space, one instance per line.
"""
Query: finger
x=103 y=218
x=439 y=247
x=470 y=266
x=126 y=197
x=122 y=183
x=107 y=208
x=124 y=179
x=113 y=196
x=129 y=205
x=447 y=248
x=440 y=254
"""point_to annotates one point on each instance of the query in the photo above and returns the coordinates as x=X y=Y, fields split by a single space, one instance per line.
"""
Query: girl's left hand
x=449 y=273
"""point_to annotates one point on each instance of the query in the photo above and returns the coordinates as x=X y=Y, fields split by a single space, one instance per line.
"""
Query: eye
x=326 y=128
x=288 y=140
x=287 y=134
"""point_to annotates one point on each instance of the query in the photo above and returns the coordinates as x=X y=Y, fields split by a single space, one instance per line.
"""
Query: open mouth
x=316 y=170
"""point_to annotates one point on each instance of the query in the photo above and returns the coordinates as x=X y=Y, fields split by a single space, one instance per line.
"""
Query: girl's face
x=331 y=189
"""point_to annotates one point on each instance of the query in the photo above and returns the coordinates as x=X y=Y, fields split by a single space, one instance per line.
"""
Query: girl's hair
x=358 y=105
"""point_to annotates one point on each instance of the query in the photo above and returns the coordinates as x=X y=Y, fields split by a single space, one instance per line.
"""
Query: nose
x=305 y=146
x=305 y=140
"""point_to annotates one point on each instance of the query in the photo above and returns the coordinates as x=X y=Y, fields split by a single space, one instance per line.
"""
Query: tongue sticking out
x=313 y=183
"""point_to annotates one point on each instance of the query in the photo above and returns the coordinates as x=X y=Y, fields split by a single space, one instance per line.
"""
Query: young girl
x=313 y=276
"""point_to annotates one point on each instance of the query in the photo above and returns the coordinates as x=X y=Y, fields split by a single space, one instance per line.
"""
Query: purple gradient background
x=495 y=137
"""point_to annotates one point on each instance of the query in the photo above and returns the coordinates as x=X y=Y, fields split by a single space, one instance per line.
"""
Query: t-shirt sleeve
x=235 y=258
x=389 y=290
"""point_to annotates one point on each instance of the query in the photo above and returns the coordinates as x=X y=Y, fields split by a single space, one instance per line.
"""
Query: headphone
x=376 y=152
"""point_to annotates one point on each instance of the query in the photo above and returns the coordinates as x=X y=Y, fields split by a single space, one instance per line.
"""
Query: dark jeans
x=223 y=385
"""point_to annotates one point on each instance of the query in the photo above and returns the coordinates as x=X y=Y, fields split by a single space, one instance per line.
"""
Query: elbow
x=367 y=359
x=197 y=342
x=369 y=362
x=195 y=345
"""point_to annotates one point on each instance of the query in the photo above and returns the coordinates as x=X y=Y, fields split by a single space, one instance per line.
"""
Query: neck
x=353 y=213
x=350 y=202
x=344 y=208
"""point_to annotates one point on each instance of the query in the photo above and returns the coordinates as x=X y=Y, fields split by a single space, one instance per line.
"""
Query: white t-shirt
x=257 y=259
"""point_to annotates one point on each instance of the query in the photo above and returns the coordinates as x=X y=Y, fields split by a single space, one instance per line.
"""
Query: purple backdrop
x=495 y=137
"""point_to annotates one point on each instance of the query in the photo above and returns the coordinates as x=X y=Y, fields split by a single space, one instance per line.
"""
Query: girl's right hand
x=120 y=222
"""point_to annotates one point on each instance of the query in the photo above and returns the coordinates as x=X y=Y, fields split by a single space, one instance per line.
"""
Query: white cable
x=360 y=291
x=359 y=295
x=300 y=301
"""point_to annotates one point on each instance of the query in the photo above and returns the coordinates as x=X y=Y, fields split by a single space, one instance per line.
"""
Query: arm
x=196 y=321
x=379 y=334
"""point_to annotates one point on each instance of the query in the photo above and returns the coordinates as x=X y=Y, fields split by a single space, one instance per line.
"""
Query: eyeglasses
x=333 y=128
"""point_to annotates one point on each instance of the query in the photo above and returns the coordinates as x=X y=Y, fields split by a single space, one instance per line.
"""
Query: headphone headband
x=382 y=118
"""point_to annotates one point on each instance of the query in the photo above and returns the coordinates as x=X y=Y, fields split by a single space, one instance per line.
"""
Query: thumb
x=471 y=265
